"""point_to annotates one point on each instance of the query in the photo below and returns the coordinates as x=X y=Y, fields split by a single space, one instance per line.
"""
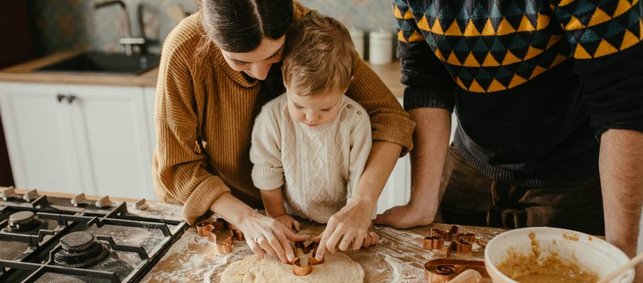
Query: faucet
x=128 y=40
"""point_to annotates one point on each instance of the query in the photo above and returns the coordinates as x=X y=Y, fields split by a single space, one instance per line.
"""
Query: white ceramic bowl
x=589 y=252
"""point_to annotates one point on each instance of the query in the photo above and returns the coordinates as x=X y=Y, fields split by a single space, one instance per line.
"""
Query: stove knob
x=30 y=195
x=103 y=202
x=78 y=199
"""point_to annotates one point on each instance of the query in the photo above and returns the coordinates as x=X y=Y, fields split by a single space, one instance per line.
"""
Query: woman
x=218 y=67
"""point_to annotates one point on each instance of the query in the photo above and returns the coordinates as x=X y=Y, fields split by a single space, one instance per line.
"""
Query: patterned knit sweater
x=533 y=82
x=318 y=168
x=202 y=95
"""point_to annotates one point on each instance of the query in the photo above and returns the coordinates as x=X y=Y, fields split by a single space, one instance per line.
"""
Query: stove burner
x=22 y=221
x=79 y=249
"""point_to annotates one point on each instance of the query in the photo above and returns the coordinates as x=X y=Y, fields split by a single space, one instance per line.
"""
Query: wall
x=74 y=24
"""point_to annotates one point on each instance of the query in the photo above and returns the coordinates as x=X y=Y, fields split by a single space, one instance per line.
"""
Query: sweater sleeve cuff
x=267 y=178
x=200 y=201
x=401 y=133
x=418 y=97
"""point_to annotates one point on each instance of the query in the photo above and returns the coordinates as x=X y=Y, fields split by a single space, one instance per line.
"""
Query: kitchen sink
x=99 y=62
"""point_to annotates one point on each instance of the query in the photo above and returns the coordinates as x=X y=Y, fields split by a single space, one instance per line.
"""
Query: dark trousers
x=469 y=198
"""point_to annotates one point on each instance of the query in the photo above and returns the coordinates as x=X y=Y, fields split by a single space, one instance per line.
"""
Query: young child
x=310 y=145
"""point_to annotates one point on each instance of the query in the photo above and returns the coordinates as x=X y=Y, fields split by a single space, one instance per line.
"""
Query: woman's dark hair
x=240 y=25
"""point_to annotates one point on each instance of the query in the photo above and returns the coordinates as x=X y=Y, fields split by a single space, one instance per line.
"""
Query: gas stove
x=54 y=239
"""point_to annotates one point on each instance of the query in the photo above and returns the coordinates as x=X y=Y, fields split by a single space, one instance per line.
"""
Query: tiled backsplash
x=73 y=24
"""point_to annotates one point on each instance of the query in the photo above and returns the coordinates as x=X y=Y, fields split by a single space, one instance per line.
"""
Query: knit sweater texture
x=201 y=95
x=317 y=168
x=533 y=83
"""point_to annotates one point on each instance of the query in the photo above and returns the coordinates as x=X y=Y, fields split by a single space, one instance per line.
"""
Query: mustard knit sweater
x=199 y=93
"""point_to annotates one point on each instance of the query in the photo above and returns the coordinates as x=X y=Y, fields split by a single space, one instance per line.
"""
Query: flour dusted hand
x=267 y=235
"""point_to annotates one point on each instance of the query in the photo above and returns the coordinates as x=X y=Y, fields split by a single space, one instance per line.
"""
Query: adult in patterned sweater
x=218 y=67
x=549 y=101
x=310 y=145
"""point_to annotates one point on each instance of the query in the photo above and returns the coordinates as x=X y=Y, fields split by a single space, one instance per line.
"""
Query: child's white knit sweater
x=319 y=167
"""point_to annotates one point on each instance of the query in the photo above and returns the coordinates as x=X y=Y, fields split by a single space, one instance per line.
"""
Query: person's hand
x=267 y=235
x=415 y=213
x=348 y=228
x=289 y=222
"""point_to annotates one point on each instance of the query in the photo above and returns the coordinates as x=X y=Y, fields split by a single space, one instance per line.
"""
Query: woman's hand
x=289 y=222
x=267 y=235
x=348 y=228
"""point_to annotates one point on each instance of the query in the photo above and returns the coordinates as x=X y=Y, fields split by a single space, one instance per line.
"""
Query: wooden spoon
x=616 y=273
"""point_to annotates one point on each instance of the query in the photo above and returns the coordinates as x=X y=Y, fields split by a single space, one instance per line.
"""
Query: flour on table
x=336 y=268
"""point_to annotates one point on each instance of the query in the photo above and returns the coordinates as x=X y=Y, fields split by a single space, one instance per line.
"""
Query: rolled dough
x=336 y=268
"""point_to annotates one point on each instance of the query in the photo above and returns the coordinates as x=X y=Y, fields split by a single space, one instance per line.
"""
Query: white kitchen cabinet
x=78 y=138
x=150 y=93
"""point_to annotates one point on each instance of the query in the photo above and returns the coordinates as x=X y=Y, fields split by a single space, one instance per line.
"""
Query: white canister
x=380 y=47
x=358 y=40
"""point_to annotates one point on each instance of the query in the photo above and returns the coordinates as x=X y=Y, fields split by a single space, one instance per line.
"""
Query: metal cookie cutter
x=442 y=270
x=220 y=233
x=448 y=242
x=304 y=257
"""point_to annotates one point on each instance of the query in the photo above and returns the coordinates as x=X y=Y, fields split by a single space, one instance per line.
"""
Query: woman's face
x=256 y=63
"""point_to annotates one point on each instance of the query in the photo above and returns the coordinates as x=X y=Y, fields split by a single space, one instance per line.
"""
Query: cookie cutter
x=221 y=233
x=301 y=269
x=442 y=270
x=450 y=241
x=305 y=250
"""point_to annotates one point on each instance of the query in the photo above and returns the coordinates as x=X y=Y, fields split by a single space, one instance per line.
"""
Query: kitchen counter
x=398 y=258
x=25 y=73
x=390 y=74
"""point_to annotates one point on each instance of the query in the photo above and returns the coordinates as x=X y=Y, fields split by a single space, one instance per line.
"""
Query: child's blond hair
x=319 y=55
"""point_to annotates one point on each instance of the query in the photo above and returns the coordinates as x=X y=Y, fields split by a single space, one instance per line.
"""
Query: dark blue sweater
x=533 y=82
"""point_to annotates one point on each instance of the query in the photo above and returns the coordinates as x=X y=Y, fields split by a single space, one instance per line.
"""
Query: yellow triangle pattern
x=416 y=37
x=599 y=17
x=496 y=86
x=581 y=53
x=604 y=48
x=537 y=71
x=622 y=8
x=532 y=52
x=565 y=2
x=396 y=12
x=471 y=61
x=510 y=58
x=475 y=87
x=439 y=54
x=454 y=29
x=400 y=37
x=471 y=29
x=505 y=27
x=516 y=80
x=408 y=15
x=525 y=24
x=543 y=21
x=423 y=24
x=436 y=27
x=489 y=61
x=460 y=83
x=488 y=29
x=629 y=39
x=641 y=29
x=574 y=24
x=453 y=60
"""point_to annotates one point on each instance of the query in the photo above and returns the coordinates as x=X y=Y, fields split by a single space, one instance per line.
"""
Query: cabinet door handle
x=71 y=98
x=60 y=97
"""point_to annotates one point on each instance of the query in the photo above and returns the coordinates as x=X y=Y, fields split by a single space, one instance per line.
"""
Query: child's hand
x=289 y=222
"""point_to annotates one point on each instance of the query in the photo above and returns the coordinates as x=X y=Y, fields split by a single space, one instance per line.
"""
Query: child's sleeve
x=360 y=143
x=265 y=151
